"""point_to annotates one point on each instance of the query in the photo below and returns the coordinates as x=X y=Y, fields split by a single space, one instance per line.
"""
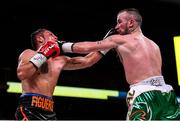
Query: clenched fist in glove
x=49 y=49
x=112 y=31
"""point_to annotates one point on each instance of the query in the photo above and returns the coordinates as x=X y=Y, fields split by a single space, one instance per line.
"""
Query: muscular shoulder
x=117 y=40
x=121 y=39
x=26 y=54
x=154 y=44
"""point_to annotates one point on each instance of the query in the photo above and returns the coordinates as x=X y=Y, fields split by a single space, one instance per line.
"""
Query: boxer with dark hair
x=39 y=71
x=149 y=98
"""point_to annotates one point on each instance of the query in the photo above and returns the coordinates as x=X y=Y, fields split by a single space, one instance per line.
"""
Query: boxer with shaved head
x=149 y=97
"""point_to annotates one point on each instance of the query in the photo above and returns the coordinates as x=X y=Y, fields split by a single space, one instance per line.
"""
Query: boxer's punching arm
x=87 y=47
x=79 y=62
x=107 y=43
x=26 y=69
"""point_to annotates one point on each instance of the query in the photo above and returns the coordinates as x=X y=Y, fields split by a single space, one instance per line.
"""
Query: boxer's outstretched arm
x=83 y=62
x=87 y=46
x=106 y=43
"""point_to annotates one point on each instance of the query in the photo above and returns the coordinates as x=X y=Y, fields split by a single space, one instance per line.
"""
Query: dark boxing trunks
x=34 y=106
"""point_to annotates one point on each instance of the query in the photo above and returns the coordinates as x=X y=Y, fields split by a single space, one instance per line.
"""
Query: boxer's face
x=122 y=26
x=49 y=36
x=46 y=36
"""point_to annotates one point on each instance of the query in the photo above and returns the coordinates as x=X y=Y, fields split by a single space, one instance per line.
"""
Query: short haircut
x=34 y=35
x=135 y=13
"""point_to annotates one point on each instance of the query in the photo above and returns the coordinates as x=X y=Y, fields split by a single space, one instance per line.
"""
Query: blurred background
x=75 y=21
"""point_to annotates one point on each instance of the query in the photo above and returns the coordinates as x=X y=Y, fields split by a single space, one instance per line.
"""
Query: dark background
x=84 y=21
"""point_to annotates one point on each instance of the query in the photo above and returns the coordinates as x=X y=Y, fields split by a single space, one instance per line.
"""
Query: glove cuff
x=38 y=59
x=68 y=47
x=103 y=52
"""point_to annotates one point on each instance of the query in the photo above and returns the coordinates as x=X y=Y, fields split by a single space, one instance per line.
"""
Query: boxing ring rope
x=79 y=92
x=15 y=87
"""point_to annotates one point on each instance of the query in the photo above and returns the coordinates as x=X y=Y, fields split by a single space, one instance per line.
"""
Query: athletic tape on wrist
x=67 y=47
x=103 y=52
x=38 y=59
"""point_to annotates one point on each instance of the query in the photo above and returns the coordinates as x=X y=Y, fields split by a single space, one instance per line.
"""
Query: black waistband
x=35 y=94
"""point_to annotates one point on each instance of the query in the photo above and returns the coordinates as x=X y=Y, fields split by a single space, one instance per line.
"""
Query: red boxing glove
x=49 y=49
